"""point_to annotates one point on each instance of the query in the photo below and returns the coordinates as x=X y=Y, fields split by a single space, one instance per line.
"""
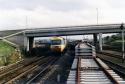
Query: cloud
x=48 y=13
x=58 y=5
x=117 y=4
x=42 y=17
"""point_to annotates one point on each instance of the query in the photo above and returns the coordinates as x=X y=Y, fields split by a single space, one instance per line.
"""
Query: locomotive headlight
x=57 y=46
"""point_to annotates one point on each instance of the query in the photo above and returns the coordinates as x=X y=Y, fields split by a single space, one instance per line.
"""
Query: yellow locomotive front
x=58 y=44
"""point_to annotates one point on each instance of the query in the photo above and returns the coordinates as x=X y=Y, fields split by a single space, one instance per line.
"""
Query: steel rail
x=107 y=73
x=78 y=67
x=18 y=70
x=43 y=70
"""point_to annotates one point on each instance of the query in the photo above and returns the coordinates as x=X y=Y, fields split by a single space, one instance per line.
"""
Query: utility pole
x=100 y=34
x=123 y=45
x=26 y=22
x=97 y=15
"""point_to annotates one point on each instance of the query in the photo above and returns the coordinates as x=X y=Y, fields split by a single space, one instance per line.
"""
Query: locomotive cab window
x=56 y=42
x=63 y=42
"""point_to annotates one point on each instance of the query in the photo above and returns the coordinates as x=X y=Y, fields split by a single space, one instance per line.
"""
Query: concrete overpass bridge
x=25 y=37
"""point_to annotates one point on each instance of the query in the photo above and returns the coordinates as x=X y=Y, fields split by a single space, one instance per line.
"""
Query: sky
x=18 y=14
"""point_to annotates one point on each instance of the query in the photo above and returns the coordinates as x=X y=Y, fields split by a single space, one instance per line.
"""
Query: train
x=58 y=44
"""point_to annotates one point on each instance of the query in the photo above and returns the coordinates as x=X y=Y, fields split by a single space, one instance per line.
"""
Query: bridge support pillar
x=28 y=43
x=100 y=41
x=31 y=42
x=95 y=40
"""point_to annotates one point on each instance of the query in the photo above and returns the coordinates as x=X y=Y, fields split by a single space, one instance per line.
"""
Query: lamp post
x=123 y=45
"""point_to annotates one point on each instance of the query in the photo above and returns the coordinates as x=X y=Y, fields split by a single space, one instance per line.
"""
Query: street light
x=122 y=31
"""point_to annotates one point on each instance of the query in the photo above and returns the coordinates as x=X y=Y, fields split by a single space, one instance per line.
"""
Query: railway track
x=15 y=65
x=29 y=75
x=15 y=70
x=111 y=55
x=45 y=68
x=87 y=69
x=120 y=69
x=97 y=73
